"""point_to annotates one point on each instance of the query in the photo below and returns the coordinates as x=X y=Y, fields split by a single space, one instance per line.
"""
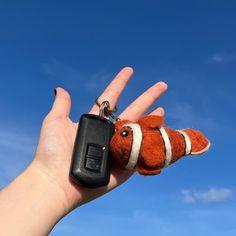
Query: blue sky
x=81 y=45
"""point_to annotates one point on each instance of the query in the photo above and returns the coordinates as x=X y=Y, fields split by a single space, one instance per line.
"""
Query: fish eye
x=124 y=133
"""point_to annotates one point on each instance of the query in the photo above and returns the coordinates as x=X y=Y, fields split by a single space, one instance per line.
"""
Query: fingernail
x=55 y=92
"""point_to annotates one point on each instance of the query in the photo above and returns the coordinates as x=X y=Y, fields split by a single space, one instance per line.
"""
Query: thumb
x=62 y=104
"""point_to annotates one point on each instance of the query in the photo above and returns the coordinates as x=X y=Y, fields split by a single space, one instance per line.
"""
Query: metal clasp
x=106 y=111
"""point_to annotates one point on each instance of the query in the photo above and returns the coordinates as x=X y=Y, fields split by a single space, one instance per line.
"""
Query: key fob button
x=94 y=151
x=93 y=164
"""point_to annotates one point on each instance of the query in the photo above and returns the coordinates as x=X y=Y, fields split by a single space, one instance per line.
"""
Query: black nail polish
x=55 y=92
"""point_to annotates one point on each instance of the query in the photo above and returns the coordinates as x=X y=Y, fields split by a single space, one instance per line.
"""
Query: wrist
x=31 y=203
x=46 y=189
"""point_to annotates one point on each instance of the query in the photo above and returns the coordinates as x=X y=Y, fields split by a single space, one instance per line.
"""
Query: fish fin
x=151 y=121
x=120 y=123
x=143 y=171
x=199 y=142
x=152 y=150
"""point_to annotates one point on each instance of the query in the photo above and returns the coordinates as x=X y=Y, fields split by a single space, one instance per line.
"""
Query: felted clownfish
x=148 y=145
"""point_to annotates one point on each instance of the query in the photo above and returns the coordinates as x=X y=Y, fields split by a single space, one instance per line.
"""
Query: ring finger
x=137 y=108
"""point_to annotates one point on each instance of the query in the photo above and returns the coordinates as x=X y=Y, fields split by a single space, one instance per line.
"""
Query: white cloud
x=97 y=81
x=223 y=57
x=183 y=115
x=126 y=223
x=71 y=77
x=17 y=142
x=151 y=219
x=217 y=58
x=188 y=196
x=64 y=74
x=17 y=151
x=210 y=195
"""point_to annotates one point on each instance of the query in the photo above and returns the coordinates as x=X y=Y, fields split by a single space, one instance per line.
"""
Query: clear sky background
x=81 y=45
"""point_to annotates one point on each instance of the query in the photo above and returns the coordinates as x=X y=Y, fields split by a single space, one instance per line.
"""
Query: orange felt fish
x=148 y=145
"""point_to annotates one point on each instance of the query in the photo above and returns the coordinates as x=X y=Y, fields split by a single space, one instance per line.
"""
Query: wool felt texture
x=160 y=146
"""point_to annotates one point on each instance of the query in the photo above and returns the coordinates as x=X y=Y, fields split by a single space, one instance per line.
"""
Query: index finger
x=114 y=89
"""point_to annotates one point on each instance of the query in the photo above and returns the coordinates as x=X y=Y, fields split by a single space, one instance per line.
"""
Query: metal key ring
x=103 y=109
x=110 y=110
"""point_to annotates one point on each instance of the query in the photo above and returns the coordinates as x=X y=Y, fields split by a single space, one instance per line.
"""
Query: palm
x=56 y=148
x=58 y=133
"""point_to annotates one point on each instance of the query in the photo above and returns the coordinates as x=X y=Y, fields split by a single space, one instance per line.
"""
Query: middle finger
x=114 y=89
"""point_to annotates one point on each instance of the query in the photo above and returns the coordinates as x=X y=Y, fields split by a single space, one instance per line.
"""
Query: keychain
x=91 y=161
x=146 y=146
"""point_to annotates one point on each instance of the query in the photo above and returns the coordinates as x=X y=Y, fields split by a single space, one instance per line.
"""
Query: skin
x=38 y=198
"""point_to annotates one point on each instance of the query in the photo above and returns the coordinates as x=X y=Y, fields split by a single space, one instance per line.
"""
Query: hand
x=36 y=200
x=54 y=151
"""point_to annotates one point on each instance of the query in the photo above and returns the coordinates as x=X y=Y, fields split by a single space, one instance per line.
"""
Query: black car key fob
x=91 y=161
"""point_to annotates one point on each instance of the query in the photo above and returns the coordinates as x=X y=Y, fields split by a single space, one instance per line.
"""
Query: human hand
x=55 y=146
